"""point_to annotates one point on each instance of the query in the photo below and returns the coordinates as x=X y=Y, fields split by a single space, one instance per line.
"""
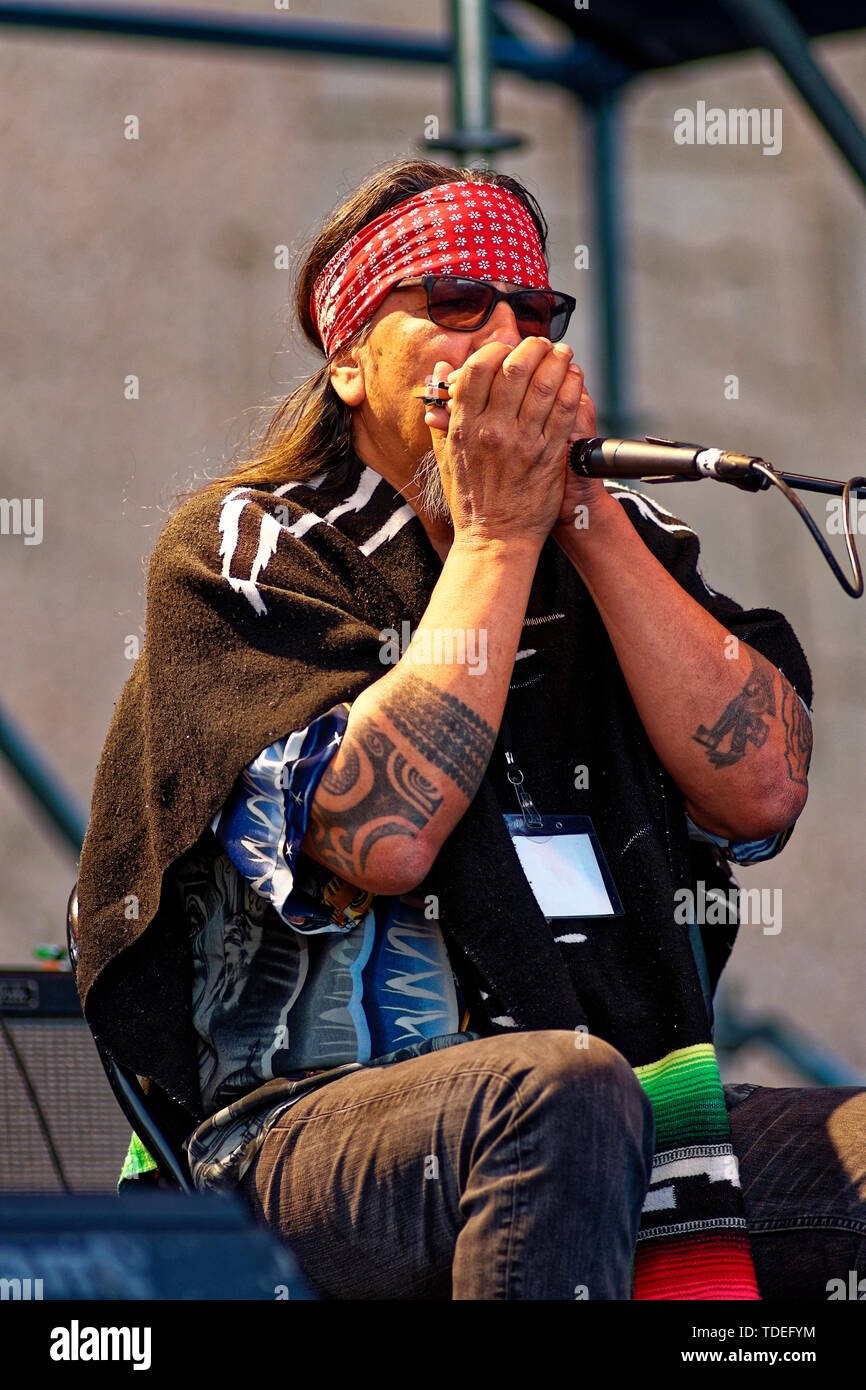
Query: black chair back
x=140 y=1108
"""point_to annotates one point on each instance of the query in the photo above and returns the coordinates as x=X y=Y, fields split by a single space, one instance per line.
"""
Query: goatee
x=431 y=494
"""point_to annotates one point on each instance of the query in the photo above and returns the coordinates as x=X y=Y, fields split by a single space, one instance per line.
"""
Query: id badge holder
x=561 y=856
x=565 y=865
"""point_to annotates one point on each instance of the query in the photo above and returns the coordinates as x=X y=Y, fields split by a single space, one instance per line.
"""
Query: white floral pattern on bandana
x=461 y=228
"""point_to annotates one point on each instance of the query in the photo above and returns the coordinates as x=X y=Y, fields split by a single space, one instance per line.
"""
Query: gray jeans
x=515 y=1167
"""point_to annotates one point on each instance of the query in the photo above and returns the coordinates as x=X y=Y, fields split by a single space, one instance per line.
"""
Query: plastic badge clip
x=530 y=815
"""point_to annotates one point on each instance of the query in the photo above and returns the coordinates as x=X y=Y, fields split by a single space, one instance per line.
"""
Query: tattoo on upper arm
x=742 y=721
x=798 y=734
x=338 y=782
x=375 y=791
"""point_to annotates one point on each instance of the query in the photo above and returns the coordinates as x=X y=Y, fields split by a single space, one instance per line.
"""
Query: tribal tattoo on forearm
x=445 y=731
x=745 y=720
x=372 y=790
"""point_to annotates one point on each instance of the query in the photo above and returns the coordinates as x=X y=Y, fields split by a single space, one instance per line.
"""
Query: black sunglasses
x=457 y=301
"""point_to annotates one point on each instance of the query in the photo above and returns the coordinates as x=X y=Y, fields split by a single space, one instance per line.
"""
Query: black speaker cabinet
x=153 y=1245
x=43 y=1024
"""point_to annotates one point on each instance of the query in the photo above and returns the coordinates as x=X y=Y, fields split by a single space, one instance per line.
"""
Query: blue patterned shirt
x=356 y=977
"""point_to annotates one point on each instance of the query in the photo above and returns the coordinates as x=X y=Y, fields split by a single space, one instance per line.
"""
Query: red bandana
x=460 y=228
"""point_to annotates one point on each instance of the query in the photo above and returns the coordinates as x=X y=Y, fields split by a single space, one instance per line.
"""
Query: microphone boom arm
x=670 y=461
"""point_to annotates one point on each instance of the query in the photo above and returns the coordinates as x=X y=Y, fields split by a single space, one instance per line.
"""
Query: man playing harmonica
x=443 y=1055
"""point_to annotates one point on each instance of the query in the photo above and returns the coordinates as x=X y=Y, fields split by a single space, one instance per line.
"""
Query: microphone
x=663 y=459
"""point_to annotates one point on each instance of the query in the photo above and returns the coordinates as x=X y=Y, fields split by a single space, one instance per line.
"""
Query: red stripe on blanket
x=695 y=1267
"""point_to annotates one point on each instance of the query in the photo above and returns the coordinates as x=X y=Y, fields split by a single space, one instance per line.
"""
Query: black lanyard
x=515 y=777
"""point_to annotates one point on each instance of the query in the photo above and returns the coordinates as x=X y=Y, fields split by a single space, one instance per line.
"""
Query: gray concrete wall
x=155 y=257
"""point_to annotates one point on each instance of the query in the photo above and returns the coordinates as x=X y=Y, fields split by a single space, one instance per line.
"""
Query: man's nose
x=501 y=327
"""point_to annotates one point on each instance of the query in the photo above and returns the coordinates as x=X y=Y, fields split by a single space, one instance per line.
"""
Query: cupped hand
x=501 y=441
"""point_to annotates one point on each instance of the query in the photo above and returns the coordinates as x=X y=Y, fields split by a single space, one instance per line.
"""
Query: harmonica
x=432 y=392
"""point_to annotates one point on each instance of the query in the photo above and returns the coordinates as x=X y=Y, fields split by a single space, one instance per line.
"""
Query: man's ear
x=347 y=379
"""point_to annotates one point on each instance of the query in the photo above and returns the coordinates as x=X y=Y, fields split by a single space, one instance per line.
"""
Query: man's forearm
x=723 y=720
x=418 y=740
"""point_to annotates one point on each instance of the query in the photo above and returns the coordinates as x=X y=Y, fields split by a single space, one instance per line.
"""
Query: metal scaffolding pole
x=41 y=783
x=473 y=138
x=473 y=101
x=608 y=254
x=772 y=26
x=577 y=66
